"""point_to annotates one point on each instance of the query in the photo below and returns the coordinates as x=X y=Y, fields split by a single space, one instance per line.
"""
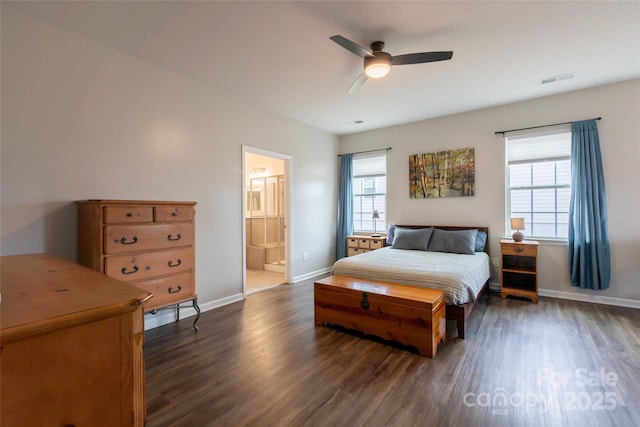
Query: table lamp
x=375 y=216
x=517 y=224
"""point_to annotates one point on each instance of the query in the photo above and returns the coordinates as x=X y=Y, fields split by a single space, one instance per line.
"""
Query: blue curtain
x=589 y=254
x=345 y=205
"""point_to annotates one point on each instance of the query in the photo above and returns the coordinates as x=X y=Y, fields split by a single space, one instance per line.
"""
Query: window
x=369 y=193
x=539 y=183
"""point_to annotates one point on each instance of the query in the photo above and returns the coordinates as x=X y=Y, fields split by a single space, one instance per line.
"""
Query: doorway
x=265 y=210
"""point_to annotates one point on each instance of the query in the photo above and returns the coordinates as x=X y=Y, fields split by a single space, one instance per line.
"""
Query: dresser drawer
x=172 y=213
x=127 y=214
x=168 y=290
x=522 y=250
x=134 y=238
x=149 y=264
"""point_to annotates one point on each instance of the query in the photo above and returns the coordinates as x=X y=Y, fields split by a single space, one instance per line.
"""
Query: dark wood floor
x=263 y=362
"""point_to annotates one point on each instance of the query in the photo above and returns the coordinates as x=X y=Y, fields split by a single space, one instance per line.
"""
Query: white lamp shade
x=517 y=223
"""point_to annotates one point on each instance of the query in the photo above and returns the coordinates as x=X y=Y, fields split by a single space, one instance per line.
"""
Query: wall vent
x=557 y=78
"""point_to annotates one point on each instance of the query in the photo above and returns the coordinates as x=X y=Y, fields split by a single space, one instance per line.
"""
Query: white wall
x=80 y=120
x=619 y=106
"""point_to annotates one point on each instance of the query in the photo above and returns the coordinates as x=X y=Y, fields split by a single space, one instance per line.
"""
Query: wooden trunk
x=410 y=315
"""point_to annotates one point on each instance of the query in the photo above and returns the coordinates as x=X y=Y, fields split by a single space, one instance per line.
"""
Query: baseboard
x=311 y=275
x=574 y=296
x=596 y=299
x=168 y=315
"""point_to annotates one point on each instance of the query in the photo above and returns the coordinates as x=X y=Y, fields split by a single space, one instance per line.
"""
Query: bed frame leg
x=460 y=313
x=462 y=327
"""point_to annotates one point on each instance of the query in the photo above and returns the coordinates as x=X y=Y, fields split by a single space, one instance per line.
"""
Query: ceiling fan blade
x=358 y=82
x=419 y=58
x=352 y=47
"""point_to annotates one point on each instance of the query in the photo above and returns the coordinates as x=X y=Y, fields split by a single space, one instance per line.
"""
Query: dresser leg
x=197 y=308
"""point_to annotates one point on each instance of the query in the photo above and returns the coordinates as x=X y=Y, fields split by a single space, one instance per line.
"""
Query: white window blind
x=539 y=183
x=539 y=147
x=369 y=183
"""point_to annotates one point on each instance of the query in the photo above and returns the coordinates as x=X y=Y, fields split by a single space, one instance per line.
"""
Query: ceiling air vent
x=557 y=78
x=568 y=76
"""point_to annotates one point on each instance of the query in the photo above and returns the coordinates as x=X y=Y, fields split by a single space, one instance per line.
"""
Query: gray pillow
x=455 y=242
x=481 y=241
x=412 y=239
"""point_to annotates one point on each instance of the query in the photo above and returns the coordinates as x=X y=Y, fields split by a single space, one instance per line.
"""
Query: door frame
x=288 y=222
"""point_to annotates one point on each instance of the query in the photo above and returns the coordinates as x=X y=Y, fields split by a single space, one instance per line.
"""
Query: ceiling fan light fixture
x=375 y=71
x=377 y=63
x=377 y=66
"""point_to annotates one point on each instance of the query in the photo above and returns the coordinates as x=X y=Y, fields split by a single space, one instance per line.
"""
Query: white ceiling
x=278 y=54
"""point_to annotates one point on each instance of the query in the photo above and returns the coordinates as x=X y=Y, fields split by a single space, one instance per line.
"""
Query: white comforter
x=460 y=277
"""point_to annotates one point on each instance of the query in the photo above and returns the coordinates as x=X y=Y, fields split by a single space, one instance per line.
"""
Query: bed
x=462 y=277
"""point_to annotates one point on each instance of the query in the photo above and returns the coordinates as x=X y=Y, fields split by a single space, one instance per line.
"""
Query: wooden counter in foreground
x=71 y=345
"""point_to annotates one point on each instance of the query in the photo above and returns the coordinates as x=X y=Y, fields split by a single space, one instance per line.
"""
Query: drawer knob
x=129 y=214
x=173 y=239
x=131 y=242
x=519 y=249
x=365 y=301
x=175 y=212
x=172 y=291
x=133 y=270
x=171 y=263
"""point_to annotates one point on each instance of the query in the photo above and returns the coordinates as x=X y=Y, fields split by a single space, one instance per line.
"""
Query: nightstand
x=360 y=244
x=519 y=269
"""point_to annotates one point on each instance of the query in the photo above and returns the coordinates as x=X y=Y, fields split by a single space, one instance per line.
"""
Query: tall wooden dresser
x=72 y=344
x=150 y=244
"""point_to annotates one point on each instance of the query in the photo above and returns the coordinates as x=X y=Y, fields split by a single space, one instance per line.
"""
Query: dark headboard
x=452 y=228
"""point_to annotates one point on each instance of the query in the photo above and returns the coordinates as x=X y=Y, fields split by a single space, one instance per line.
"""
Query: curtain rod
x=367 y=151
x=541 y=126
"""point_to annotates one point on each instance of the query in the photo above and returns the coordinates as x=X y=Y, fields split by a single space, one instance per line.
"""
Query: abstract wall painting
x=442 y=174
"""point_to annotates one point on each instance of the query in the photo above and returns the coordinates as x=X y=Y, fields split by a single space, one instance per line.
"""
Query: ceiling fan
x=377 y=63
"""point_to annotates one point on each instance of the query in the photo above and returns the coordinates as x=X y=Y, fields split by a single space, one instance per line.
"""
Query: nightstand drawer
x=352 y=242
x=375 y=244
x=355 y=251
x=520 y=250
x=363 y=243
